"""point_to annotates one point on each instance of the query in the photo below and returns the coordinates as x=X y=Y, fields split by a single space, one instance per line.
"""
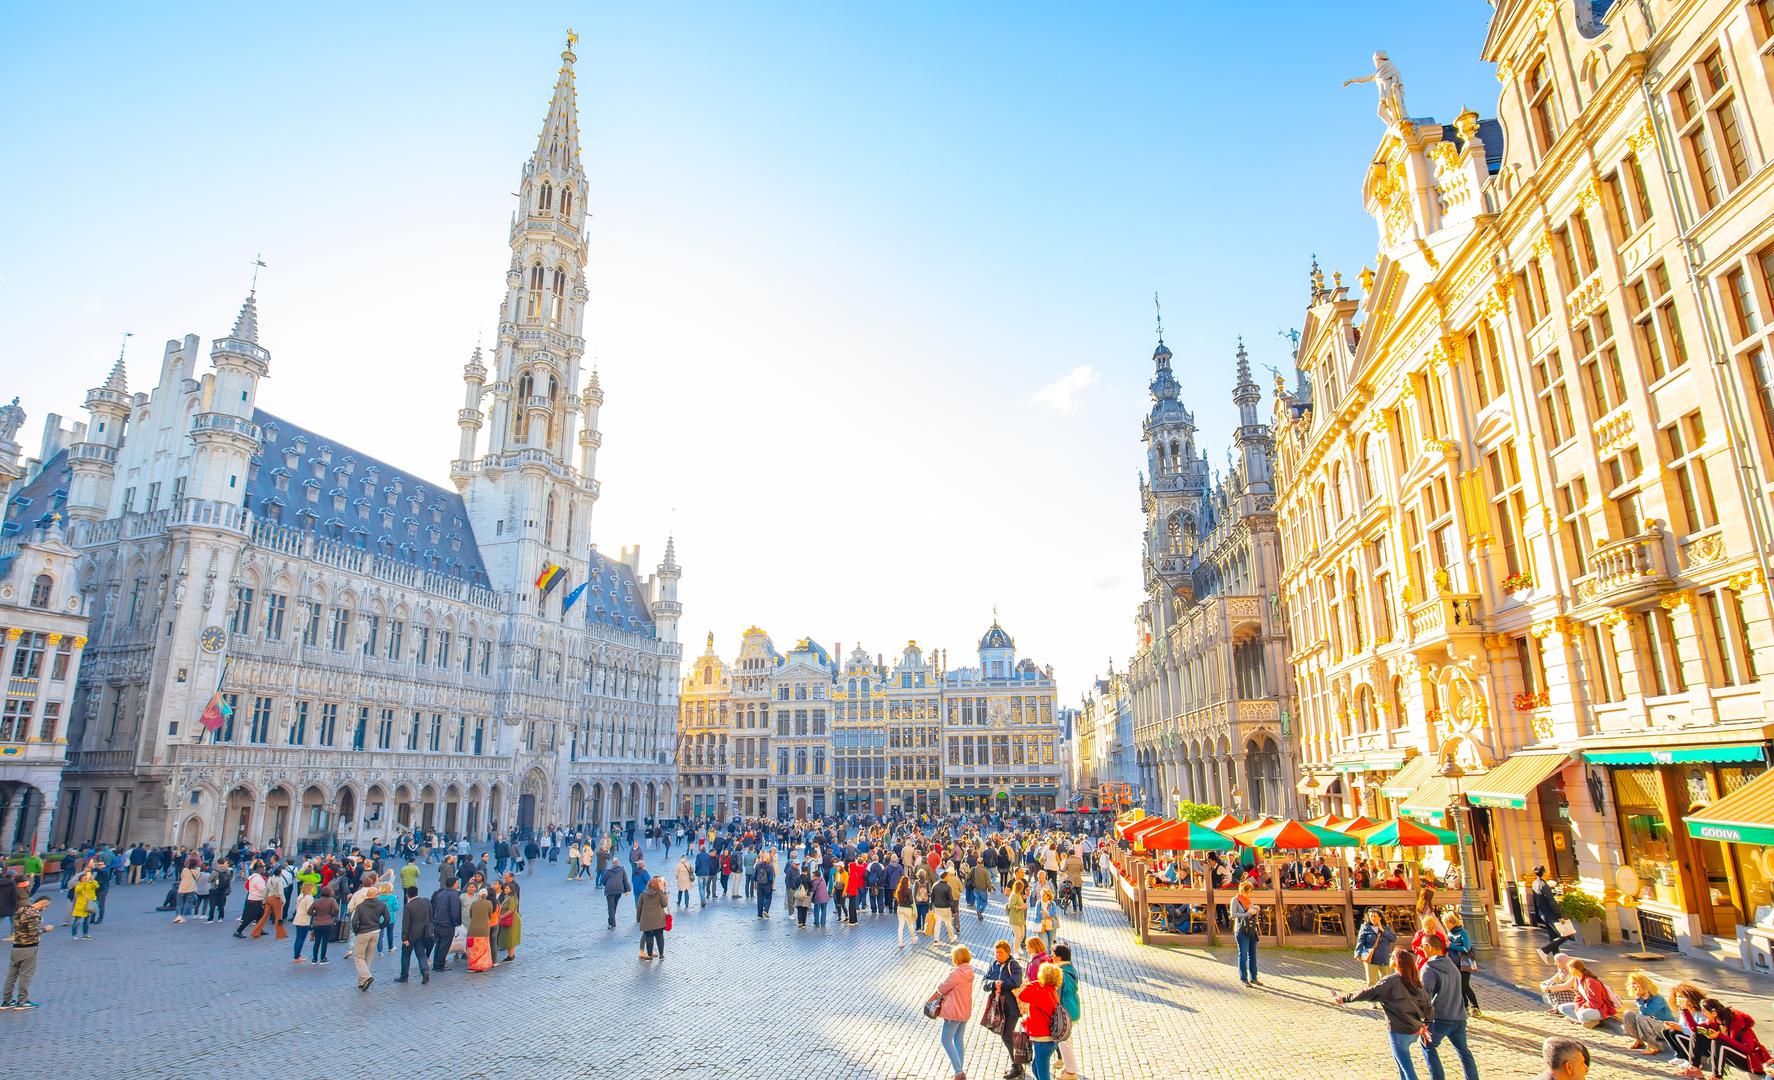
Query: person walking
x=1074 y=1008
x=651 y=916
x=273 y=907
x=705 y=874
x=1047 y=917
x=302 y=918
x=415 y=934
x=446 y=915
x=1460 y=952
x=615 y=888
x=86 y=899
x=1243 y=911
x=942 y=901
x=1447 y=1010
x=1016 y=910
x=480 y=930
x=764 y=878
x=979 y=879
x=1406 y=1004
x=907 y=909
x=687 y=878
x=955 y=992
x=28 y=929
x=511 y=920
x=1544 y=902
x=323 y=918
x=1374 y=945
x=1003 y=979
x=368 y=916
x=187 y=904
x=1039 y=1001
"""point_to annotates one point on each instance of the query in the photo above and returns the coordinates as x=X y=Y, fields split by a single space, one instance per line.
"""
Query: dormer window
x=40 y=590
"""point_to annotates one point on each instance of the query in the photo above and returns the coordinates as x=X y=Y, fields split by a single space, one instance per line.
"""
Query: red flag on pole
x=216 y=712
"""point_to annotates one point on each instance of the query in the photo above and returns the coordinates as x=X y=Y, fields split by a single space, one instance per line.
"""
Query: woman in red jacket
x=1038 y=1001
x=1732 y=1036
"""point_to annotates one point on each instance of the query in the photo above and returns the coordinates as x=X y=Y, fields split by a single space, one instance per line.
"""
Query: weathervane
x=258 y=264
x=1160 y=312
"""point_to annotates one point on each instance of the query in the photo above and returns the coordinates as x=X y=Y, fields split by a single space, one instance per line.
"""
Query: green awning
x=963 y=793
x=1381 y=761
x=1677 y=755
x=1746 y=816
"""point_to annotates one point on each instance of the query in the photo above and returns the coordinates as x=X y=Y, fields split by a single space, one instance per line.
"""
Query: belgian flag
x=550 y=576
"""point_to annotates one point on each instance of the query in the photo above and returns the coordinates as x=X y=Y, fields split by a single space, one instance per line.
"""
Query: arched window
x=40 y=590
x=566 y=202
x=548 y=522
x=1357 y=639
x=535 y=305
x=547 y=195
x=520 y=417
x=1337 y=514
x=557 y=301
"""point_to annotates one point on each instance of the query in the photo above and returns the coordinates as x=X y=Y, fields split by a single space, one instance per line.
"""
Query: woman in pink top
x=956 y=990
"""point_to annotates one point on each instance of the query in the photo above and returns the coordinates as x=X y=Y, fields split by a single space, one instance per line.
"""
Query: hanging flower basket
x=1515 y=583
x=1530 y=702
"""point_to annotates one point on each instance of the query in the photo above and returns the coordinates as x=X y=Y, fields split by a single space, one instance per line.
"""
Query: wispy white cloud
x=1061 y=395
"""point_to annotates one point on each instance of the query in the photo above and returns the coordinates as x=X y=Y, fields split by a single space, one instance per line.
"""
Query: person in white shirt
x=254 y=908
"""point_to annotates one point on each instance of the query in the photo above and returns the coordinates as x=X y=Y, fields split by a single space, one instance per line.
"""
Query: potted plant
x=1521 y=582
x=1583 y=909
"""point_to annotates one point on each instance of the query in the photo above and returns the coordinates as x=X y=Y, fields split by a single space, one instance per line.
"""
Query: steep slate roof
x=36 y=501
x=613 y=598
x=44 y=495
x=426 y=527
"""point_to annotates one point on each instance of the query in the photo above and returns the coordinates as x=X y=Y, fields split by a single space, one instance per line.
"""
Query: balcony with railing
x=1443 y=617
x=1626 y=571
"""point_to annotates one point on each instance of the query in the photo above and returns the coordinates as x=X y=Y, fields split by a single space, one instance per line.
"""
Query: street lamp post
x=1472 y=912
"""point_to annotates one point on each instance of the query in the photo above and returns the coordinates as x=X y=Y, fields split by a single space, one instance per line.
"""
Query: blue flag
x=573 y=597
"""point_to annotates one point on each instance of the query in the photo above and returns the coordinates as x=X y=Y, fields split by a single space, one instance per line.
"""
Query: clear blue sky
x=838 y=251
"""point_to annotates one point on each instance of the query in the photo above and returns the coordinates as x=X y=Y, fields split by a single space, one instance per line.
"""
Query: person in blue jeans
x=1243 y=911
x=1406 y=1004
x=1447 y=1009
x=955 y=996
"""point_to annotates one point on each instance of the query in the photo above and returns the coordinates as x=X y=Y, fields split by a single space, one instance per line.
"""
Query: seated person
x=1396 y=879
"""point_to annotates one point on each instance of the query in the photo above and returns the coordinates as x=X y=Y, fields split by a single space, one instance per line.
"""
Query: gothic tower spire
x=529 y=500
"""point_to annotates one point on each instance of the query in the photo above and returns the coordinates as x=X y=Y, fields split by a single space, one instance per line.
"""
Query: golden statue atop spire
x=572 y=38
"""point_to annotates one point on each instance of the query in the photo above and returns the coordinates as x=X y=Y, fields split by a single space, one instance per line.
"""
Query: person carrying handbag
x=952 y=1003
x=1243 y=911
x=1374 y=945
x=1003 y=979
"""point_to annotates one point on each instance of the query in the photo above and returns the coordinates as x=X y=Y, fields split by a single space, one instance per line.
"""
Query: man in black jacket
x=446 y=915
x=415 y=933
x=1546 y=913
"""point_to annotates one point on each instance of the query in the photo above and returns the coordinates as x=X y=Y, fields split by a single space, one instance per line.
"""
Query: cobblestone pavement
x=738 y=997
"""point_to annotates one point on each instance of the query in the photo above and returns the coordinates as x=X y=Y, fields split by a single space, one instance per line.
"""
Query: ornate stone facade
x=43 y=628
x=805 y=736
x=1209 y=684
x=1524 y=480
x=374 y=651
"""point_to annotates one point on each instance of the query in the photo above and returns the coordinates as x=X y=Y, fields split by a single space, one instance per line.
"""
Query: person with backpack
x=1043 y=1017
x=1073 y=1008
x=763 y=879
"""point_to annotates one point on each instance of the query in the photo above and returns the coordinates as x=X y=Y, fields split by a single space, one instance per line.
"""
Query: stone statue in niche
x=1390 y=83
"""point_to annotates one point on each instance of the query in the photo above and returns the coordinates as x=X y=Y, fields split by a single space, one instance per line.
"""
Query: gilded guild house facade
x=1524 y=478
x=1209 y=684
x=801 y=735
x=380 y=642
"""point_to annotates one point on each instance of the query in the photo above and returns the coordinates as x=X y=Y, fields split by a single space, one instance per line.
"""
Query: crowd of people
x=923 y=876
